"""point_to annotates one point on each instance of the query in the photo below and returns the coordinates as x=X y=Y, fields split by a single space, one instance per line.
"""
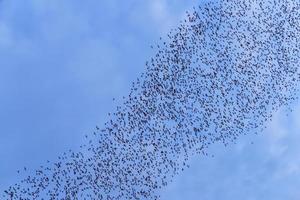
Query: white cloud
x=163 y=13
x=160 y=14
x=282 y=136
x=276 y=132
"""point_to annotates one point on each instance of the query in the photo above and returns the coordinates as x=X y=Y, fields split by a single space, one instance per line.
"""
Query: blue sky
x=61 y=64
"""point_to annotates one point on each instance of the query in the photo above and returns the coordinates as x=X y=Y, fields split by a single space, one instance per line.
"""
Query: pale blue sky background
x=62 y=62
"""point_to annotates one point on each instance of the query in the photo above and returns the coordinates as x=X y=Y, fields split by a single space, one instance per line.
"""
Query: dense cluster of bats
x=220 y=74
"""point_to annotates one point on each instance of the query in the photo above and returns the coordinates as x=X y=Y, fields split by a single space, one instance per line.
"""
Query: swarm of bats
x=219 y=75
